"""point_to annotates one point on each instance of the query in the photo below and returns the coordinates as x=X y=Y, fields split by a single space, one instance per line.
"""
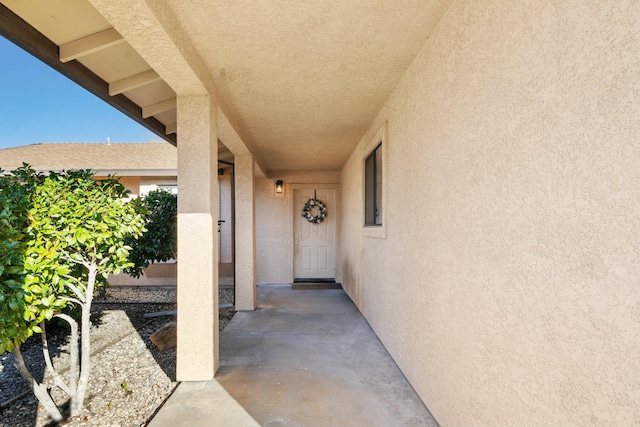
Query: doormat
x=301 y=286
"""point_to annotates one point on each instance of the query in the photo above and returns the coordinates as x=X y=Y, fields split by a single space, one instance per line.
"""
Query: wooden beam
x=159 y=107
x=90 y=44
x=171 y=128
x=133 y=82
x=16 y=30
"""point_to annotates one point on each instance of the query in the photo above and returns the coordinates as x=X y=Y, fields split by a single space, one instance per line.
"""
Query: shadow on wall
x=352 y=283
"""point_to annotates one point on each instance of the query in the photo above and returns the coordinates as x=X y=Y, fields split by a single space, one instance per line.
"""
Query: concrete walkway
x=303 y=358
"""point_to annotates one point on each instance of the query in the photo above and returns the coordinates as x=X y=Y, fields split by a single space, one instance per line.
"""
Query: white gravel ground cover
x=130 y=378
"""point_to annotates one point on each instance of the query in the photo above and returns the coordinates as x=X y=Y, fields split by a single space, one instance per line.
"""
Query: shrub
x=158 y=242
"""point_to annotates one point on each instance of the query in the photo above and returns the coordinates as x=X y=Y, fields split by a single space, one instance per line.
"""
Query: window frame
x=378 y=142
x=371 y=204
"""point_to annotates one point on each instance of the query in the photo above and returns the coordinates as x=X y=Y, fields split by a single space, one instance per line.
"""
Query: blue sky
x=37 y=104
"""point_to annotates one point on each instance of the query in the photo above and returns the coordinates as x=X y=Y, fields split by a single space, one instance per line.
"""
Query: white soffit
x=62 y=21
x=83 y=34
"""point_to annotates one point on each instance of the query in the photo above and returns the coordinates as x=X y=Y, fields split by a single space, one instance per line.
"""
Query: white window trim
x=376 y=231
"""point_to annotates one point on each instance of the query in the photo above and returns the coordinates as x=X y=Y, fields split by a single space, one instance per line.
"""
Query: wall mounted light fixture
x=279 y=187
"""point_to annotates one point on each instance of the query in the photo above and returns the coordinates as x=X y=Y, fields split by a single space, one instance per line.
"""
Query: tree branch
x=75 y=290
x=72 y=300
x=57 y=379
x=39 y=390
x=66 y=256
x=73 y=352
x=85 y=359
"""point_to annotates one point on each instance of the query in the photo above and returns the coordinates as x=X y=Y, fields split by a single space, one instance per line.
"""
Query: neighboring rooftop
x=148 y=158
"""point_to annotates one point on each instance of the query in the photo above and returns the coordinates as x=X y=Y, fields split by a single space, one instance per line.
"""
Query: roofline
x=19 y=32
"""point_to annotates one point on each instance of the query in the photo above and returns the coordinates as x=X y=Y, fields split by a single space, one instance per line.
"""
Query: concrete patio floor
x=303 y=358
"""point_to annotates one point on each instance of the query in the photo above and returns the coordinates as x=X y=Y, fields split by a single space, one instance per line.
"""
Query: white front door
x=314 y=244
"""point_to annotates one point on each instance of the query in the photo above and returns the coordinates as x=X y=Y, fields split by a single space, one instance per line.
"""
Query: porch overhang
x=19 y=32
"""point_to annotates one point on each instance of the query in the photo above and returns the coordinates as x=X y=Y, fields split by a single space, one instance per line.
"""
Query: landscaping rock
x=130 y=378
x=165 y=337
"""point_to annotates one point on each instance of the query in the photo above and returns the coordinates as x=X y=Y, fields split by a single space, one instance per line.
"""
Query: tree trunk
x=40 y=390
x=57 y=379
x=77 y=401
x=73 y=353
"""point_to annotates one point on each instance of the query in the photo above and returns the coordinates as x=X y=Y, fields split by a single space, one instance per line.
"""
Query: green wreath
x=306 y=211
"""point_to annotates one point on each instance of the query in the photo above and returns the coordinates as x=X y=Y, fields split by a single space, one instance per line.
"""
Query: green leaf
x=36 y=289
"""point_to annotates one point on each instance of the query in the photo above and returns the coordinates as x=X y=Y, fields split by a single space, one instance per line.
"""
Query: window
x=375 y=215
x=373 y=187
x=171 y=188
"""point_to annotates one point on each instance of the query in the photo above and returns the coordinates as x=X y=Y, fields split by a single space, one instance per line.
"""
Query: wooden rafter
x=133 y=82
x=19 y=32
x=90 y=44
x=172 y=128
x=159 y=107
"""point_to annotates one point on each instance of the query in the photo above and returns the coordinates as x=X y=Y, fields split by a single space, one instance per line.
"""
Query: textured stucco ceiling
x=303 y=79
x=307 y=78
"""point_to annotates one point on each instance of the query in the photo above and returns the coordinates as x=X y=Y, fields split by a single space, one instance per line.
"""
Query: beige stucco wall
x=131 y=183
x=151 y=183
x=141 y=185
x=507 y=285
x=274 y=223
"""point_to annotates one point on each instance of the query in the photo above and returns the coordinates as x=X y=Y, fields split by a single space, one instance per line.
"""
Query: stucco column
x=197 y=352
x=245 y=233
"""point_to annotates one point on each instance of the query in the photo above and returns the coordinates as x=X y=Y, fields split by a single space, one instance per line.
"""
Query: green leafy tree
x=158 y=243
x=16 y=302
x=66 y=233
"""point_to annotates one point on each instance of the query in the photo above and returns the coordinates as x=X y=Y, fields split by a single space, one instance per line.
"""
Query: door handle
x=296 y=240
